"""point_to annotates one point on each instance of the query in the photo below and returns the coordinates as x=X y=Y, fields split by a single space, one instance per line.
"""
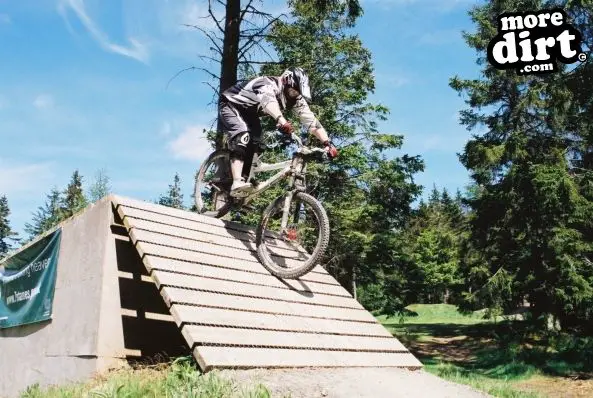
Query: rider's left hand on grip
x=286 y=128
x=331 y=150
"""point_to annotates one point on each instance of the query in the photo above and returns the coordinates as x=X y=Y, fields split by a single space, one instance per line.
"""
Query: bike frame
x=286 y=170
x=291 y=169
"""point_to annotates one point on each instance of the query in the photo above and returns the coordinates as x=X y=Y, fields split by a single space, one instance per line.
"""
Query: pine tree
x=48 y=216
x=6 y=233
x=100 y=187
x=435 y=196
x=74 y=198
x=174 y=197
x=367 y=195
x=452 y=208
x=531 y=230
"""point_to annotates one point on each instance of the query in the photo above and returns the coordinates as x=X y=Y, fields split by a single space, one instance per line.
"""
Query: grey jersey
x=265 y=94
x=256 y=93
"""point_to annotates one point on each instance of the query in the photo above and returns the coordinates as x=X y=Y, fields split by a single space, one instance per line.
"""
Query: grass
x=436 y=314
x=501 y=357
x=178 y=379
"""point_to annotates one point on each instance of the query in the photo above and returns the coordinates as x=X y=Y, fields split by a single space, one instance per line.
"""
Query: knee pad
x=238 y=146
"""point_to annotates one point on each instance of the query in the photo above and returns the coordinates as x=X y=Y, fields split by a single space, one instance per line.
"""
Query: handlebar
x=305 y=150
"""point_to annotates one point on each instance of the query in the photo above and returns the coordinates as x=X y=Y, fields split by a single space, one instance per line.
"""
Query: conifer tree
x=74 y=199
x=6 y=232
x=100 y=187
x=174 y=197
x=47 y=216
x=532 y=203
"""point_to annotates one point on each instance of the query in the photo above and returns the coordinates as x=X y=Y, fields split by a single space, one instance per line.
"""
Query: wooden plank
x=242 y=289
x=242 y=357
x=162 y=263
x=174 y=295
x=209 y=271
x=195 y=334
x=167 y=213
x=243 y=319
x=208 y=233
x=178 y=213
x=200 y=253
x=192 y=245
x=191 y=238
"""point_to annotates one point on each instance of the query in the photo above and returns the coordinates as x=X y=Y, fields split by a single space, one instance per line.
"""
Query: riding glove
x=286 y=128
x=332 y=151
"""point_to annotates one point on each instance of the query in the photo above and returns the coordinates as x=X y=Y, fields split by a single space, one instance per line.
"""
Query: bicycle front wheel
x=291 y=250
x=213 y=184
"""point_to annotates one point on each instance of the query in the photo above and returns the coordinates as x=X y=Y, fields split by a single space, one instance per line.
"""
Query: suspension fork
x=297 y=167
x=286 y=209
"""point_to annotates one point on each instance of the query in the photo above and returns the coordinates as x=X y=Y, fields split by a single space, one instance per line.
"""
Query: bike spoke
x=214 y=185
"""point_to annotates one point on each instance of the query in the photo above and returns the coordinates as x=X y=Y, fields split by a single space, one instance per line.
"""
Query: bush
x=371 y=297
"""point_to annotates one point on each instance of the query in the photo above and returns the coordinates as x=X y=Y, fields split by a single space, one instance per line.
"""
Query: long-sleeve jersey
x=265 y=94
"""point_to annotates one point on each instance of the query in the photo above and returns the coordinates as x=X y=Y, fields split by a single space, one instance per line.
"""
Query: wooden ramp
x=234 y=314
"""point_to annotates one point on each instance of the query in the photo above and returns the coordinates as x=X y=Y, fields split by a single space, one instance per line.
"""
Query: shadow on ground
x=501 y=350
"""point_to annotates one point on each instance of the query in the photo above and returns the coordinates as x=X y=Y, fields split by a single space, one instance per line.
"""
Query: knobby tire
x=322 y=240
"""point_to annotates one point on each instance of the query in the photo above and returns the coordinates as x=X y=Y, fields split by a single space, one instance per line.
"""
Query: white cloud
x=43 y=101
x=5 y=19
x=191 y=144
x=135 y=50
x=164 y=24
x=24 y=178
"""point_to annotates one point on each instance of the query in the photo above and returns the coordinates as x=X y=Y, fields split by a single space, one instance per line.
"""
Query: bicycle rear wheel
x=293 y=251
x=213 y=184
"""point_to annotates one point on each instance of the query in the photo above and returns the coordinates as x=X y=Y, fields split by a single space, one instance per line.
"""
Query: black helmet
x=297 y=79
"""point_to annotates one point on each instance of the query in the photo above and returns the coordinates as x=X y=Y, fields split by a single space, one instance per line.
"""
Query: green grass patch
x=491 y=355
x=503 y=388
x=435 y=313
x=179 y=379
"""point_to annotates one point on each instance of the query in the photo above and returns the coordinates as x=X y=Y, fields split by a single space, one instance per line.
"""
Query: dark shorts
x=235 y=121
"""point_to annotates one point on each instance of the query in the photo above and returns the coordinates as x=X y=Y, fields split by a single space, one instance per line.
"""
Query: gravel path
x=351 y=383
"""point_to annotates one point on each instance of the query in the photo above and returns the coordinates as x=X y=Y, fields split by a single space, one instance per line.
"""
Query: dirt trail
x=352 y=383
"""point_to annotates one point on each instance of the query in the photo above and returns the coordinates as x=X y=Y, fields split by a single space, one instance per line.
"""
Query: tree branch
x=261 y=62
x=252 y=10
x=216 y=94
x=177 y=74
x=213 y=17
x=264 y=50
x=191 y=68
x=244 y=11
x=209 y=58
x=252 y=39
x=208 y=35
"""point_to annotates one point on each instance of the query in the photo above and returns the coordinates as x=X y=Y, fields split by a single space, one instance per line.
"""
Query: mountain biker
x=241 y=106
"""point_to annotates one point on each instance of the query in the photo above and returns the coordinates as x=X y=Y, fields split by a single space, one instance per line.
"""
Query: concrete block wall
x=105 y=311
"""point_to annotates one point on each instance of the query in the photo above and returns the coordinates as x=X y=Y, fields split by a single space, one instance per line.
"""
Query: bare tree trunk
x=230 y=53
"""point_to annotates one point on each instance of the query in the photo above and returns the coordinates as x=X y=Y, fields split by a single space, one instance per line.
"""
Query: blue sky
x=84 y=86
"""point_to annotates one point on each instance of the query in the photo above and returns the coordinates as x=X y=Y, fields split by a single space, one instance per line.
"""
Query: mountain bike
x=293 y=231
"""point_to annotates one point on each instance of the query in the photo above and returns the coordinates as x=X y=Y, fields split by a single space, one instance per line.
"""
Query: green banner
x=27 y=283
